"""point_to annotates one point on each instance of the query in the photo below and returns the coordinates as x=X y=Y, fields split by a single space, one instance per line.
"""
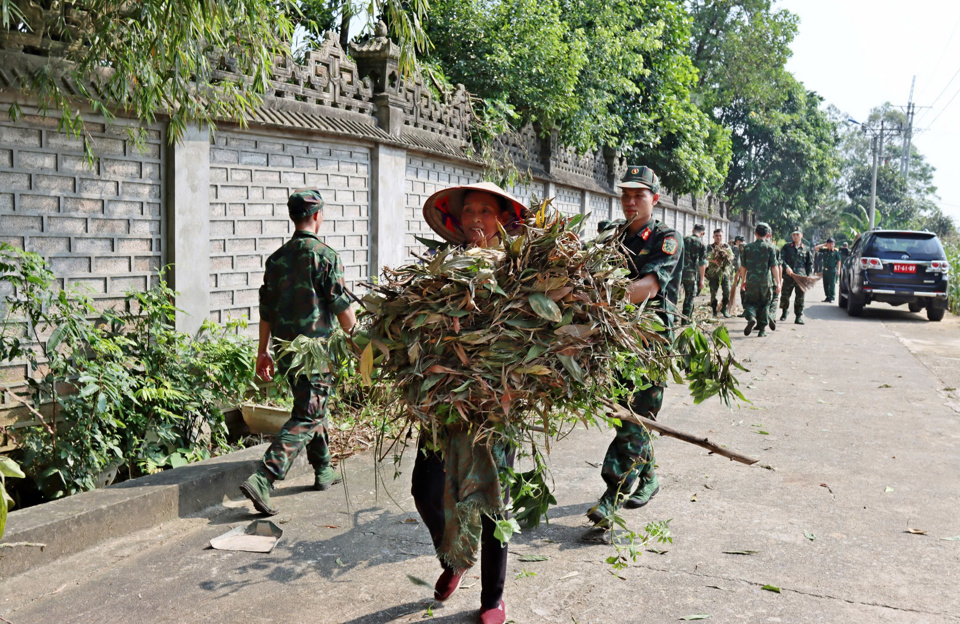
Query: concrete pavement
x=859 y=418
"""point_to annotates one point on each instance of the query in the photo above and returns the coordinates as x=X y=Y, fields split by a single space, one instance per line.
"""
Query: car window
x=905 y=246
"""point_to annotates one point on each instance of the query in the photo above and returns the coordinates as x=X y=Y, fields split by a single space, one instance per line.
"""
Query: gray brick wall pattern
x=529 y=192
x=99 y=226
x=599 y=211
x=251 y=178
x=568 y=200
x=426 y=176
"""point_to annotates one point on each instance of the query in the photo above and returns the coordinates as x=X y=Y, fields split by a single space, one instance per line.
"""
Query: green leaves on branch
x=126 y=388
x=8 y=469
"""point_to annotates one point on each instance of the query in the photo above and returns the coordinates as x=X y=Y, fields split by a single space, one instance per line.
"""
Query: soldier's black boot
x=783 y=316
x=713 y=306
x=799 y=320
x=773 y=324
x=750 y=325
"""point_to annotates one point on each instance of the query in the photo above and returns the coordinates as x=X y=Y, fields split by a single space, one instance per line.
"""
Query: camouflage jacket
x=694 y=256
x=303 y=289
x=656 y=249
x=799 y=259
x=758 y=258
x=737 y=250
x=829 y=259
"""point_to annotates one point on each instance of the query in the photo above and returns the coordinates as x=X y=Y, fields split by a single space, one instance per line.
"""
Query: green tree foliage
x=154 y=56
x=662 y=126
x=902 y=203
x=783 y=145
x=516 y=52
x=165 y=57
x=602 y=73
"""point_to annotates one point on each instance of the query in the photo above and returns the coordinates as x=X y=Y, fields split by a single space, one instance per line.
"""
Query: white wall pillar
x=188 y=226
x=388 y=170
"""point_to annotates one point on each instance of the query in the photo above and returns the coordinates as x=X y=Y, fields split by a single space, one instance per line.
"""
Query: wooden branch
x=627 y=416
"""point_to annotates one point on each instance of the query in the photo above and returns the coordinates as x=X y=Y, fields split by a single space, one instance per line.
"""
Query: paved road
x=859 y=418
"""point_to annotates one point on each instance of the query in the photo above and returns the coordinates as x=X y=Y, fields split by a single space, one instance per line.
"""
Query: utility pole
x=873 y=180
x=876 y=145
x=908 y=135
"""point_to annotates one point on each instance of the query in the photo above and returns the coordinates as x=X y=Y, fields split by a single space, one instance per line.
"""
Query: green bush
x=953 y=291
x=131 y=391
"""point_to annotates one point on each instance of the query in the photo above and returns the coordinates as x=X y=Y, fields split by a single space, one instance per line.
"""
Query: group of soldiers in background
x=765 y=272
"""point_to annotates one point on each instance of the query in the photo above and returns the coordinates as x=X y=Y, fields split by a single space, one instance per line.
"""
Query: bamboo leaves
x=545 y=307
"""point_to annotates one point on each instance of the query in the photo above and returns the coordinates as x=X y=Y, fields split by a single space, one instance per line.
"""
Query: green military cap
x=304 y=203
x=738 y=239
x=762 y=229
x=798 y=230
x=640 y=177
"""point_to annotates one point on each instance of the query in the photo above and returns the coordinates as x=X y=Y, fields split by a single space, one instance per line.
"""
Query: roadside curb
x=70 y=525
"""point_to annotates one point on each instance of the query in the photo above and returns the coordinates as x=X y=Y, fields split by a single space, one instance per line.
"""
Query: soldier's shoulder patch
x=669 y=246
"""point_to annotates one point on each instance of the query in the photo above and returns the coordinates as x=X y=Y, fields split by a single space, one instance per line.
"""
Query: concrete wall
x=217 y=207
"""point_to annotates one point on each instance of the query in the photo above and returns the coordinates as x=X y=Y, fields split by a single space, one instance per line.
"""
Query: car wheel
x=842 y=300
x=855 y=305
x=935 y=314
x=915 y=307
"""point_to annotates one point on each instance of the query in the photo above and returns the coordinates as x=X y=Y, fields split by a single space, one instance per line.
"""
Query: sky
x=858 y=54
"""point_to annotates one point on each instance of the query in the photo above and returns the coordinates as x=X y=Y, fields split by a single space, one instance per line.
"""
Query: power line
x=945 y=48
x=947 y=86
x=944 y=109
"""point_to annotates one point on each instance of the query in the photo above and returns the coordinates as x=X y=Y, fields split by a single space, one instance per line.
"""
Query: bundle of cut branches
x=721 y=262
x=511 y=335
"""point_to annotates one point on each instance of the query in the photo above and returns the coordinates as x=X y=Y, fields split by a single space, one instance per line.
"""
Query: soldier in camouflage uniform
x=694 y=265
x=737 y=250
x=829 y=267
x=655 y=260
x=719 y=264
x=797 y=260
x=302 y=294
x=757 y=274
x=774 y=288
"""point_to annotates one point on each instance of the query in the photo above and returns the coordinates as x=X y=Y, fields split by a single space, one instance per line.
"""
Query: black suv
x=896 y=267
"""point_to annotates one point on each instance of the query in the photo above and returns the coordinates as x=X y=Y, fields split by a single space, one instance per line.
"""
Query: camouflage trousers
x=690 y=291
x=721 y=283
x=629 y=457
x=830 y=284
x=790 y=286
x=307 y=427
x=758 y=306
x=774 y=303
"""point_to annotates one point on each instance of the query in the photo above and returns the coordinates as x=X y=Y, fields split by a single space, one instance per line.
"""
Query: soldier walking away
x=719 y=268
x=694 y=265
x=655 y=260
x=774 y=288
x=797 y=260
x=757 y=273
x=830 y=260
x=738 y=243
x=302 y=295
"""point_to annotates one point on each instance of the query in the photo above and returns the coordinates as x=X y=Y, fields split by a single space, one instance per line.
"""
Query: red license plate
x=904 y=268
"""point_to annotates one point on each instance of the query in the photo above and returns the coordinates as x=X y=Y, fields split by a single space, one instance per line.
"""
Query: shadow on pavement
x=371 y=541
x=391 y=614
